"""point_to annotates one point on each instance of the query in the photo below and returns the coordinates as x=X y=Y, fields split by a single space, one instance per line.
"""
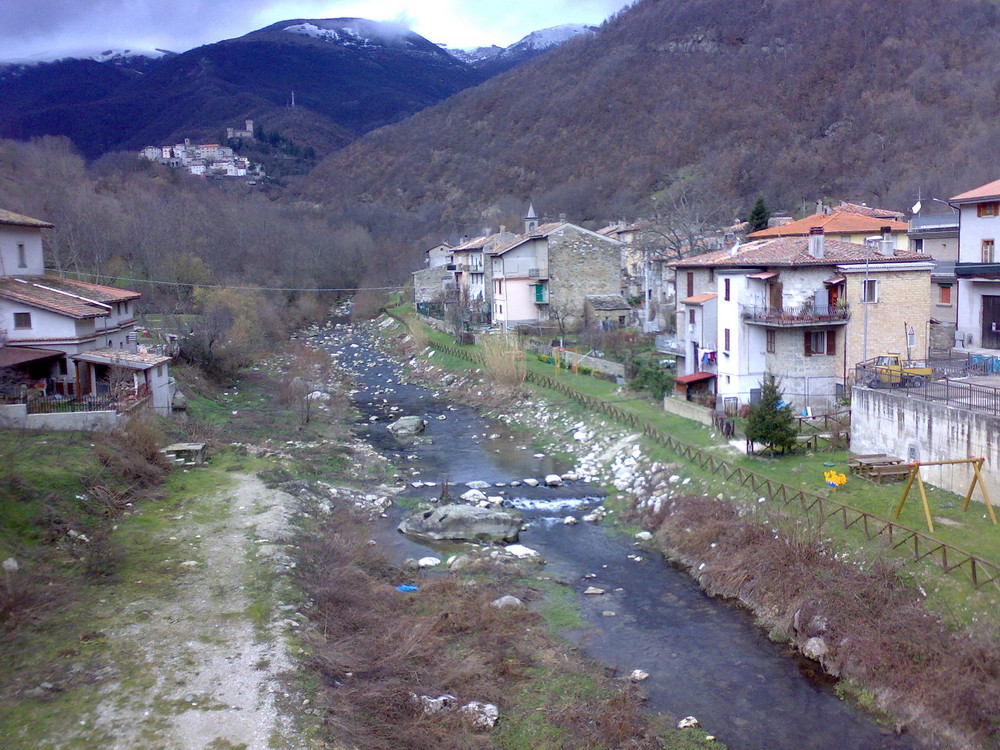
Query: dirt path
x=212 y=657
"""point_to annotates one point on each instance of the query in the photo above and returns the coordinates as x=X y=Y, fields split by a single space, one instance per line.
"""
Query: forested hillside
x=786 y=99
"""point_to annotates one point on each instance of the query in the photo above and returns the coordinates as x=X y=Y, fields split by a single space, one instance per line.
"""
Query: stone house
x=69 y=336
x=804 y=308
x=978 y=267
x=546 y=273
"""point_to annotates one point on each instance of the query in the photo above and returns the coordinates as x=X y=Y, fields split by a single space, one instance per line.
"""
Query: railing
x=915 y=544
x=93 y=402
x=803 y=315
x=980 y=398
x=938 y=221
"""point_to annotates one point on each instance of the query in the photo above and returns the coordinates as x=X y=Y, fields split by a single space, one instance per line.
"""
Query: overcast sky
x=49 y=28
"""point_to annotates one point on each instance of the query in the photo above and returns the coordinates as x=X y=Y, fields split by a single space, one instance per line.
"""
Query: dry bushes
x=375 y=647
x=874 y=626
x=503 y=358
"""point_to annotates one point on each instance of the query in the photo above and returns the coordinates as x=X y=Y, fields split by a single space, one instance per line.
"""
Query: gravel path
x=215 y=651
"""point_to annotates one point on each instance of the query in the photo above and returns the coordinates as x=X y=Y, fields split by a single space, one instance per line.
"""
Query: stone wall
x=942 y=337
x=883 y=421
x=428 y=284
x=580 y=264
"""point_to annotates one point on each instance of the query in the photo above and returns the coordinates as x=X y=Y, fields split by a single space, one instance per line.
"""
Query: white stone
x=507 y=602
x=644 y=536
x=570 y=521
x=477 y=485
x=473 y=496
x=688 y=722
x=638 y=675
x=531 y=482
x=519 y=550
x=428 y=562
x=593 y=591
x=483 y=715
x=553 y=480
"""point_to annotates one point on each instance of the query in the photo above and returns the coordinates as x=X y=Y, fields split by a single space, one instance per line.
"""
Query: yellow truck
x=892 y=370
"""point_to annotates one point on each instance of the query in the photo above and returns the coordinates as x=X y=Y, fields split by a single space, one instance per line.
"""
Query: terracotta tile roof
x=983 y=192
x=18 y=220
x=838 y=222
x=698 y=299
x=77 y=299
x=131 y=360
x=477 y=243
x=875 y=213
x=794 y=251
x=543 y=230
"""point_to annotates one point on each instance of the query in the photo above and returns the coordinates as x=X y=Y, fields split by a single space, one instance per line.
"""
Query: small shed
x=698 y=386
x=606 y=311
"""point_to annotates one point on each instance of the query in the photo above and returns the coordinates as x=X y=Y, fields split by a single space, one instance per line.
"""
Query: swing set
x=977 y=478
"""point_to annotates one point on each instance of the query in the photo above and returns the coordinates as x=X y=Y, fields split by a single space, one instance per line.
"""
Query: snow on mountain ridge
x=359 y=32
x=545 y=38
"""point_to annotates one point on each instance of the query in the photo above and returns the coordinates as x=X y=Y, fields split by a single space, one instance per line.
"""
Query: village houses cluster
x=209 y=159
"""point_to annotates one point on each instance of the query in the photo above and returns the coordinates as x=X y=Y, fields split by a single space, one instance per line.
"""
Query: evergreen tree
x=771 y=422
x=759 y=216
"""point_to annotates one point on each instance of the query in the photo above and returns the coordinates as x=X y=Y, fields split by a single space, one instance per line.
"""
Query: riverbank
x=896 y=656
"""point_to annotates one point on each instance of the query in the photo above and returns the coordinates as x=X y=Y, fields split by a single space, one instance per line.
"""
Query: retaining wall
x=688 y=410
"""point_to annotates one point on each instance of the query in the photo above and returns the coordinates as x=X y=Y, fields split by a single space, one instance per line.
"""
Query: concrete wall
x=886 y=422
x=16 y=415
x=31 y=238
x=688 y=410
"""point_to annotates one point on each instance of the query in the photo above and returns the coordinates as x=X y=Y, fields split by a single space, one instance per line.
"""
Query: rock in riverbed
x=463 y=523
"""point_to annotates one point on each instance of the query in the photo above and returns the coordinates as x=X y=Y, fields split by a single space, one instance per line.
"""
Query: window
x=869 y=290
x=500 y=286
x=22 y=320
x=725 y=287
x=944 y=295
x=63 y=367
x=159 y=371
x=820 y=342
x=711 y=275
x=988 y=209
x=725 y=339
x=769 y=341
x=918 y=245
x=22 y=258
x=691 y=316
x=988 y=246
x=690 y=283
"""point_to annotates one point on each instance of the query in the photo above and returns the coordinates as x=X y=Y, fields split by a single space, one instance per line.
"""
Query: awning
x=834 y=280
x=699 y=299
x=694 y=377
x=12 y=356
x=763 y=275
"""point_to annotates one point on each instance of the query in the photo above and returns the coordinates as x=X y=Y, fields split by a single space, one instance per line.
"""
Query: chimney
x=817 y=242
x=887 y=246
x=820 y=209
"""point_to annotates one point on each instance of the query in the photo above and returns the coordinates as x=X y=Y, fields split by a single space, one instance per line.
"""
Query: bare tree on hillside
x=687 y=216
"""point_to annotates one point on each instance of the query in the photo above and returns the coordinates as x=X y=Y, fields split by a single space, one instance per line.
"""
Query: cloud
x=35 y=27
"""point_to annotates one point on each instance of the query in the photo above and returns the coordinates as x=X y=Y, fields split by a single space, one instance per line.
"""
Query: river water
x=705 y=657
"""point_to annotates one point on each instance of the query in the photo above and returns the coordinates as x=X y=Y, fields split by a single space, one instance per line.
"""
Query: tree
x=771 y=421
x=759 y=216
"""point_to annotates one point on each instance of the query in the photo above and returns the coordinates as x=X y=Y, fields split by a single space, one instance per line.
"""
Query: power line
x=246 y=288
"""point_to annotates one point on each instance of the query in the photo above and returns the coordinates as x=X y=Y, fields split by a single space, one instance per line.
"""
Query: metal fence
x=961 y=393
x=915 y=544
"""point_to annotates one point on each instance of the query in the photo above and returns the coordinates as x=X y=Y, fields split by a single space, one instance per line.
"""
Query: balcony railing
x=804 y=315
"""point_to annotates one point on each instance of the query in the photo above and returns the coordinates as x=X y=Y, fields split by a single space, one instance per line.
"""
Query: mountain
x=494 y=60
x=348 y=76
x=730 y=100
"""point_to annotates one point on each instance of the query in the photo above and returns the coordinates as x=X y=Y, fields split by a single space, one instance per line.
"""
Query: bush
x=651 y=378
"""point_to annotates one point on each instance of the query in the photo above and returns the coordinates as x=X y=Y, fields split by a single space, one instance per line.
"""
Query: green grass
x=560 y=608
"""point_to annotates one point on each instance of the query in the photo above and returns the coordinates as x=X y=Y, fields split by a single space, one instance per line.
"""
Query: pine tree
x=759 y=216
x=771 y=422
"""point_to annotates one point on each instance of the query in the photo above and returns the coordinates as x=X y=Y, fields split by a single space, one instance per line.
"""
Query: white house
x=68 y=334
x=978 y=267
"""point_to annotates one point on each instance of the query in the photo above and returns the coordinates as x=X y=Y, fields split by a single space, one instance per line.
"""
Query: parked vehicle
x=892 y=370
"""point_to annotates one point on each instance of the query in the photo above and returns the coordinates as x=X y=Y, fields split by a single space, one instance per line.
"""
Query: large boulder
x=462 y=523
x=405 y=426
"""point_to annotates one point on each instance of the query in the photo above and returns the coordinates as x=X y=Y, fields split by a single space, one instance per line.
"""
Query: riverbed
x=705 y=657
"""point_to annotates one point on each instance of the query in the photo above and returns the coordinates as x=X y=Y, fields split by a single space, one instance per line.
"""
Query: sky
x=45 y=29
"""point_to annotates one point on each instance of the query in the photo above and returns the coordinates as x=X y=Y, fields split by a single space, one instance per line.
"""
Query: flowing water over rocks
x=703 y=657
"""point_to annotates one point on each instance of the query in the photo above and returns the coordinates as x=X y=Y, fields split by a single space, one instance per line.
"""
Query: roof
x=76 y=299
x=540 y=232
x=981 y=193
x=699 y=299
x=18 y=220
x=794 y=251
x=694 y=377
x=838 y=222
x=477 y=243
x=12 y=356
x=622 y=228
x=607 y=302
x=122 y=358
x=875 y=213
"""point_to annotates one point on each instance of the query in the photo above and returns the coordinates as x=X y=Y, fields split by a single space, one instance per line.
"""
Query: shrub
x=503 y=358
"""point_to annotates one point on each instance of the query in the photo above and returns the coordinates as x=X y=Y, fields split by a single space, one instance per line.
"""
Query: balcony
x=537 y=273
x=796 y=317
